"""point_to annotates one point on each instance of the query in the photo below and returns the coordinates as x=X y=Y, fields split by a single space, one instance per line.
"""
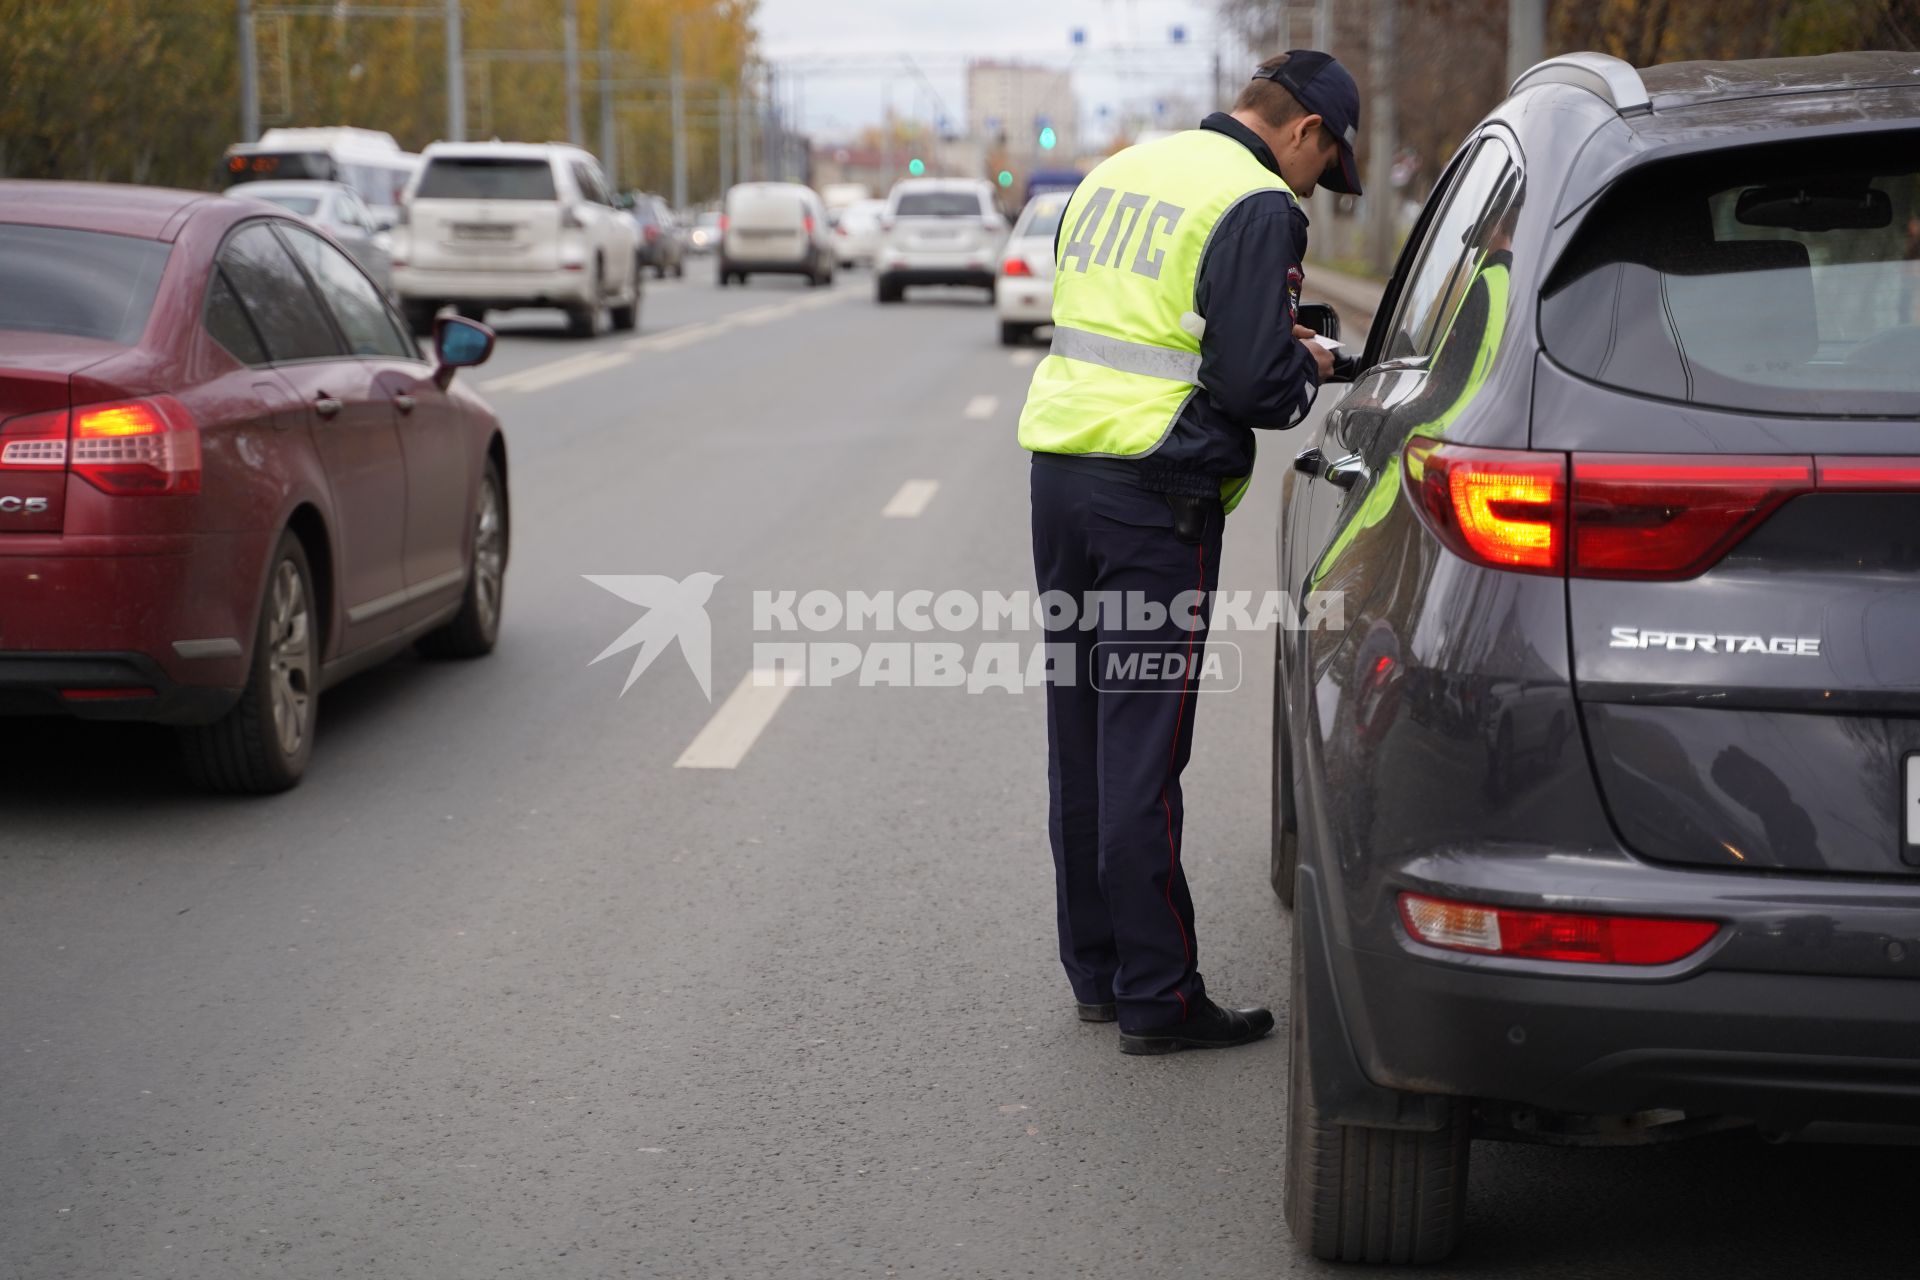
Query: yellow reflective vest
x=1126 y=339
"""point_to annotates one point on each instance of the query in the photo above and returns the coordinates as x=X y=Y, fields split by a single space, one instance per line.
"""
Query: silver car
x=338 y=209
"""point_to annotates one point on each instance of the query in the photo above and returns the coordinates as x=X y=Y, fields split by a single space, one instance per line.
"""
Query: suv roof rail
x=1612 y=79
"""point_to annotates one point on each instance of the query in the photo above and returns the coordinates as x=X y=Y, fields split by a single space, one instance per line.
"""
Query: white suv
x=938 y=231
x=510 y=224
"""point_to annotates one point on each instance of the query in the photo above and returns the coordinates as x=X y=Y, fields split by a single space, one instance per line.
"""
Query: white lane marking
x=982 y=406
x=542 y=376
x=912 y=499
x=539 y=379
x=737 y=725
x=1025 y=358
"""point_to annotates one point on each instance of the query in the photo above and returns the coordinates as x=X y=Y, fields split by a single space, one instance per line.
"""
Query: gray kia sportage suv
x=1600 y=819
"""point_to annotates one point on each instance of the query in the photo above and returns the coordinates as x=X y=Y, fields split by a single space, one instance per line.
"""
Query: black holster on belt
x=1189 y=516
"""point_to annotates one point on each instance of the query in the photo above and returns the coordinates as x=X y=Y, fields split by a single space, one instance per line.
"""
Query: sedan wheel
x=263 y=743
x=473 y=632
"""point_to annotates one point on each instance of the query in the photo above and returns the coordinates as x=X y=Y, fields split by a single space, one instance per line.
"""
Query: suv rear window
x=938 y=204
x=485 y=178
x=1775 y=279
x=89 y=284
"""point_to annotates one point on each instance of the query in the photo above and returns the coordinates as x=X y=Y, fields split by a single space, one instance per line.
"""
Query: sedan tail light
x=1015 y=267
x=1552 y=935
x=34 y=443
x=136 y=447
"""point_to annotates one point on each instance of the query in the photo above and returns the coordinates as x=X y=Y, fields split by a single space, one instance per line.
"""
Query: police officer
x=1174 y=309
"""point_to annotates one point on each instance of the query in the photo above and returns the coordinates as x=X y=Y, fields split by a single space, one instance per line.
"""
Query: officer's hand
x=1322 y=357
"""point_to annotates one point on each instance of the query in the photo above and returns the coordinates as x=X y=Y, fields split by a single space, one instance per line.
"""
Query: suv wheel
x=1359 y=1194
x=476 y=628
x=889 y=290
x=420 y=315
x=1285 y=839
x=626 y=315
x=263 y=743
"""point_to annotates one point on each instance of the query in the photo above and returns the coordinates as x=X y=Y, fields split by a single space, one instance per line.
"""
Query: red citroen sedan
x=228 y=478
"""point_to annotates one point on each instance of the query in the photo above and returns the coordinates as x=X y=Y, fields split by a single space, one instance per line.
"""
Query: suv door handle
x=403 y=402
x=326 y=406
x=1310 y=461
x=1346 y=471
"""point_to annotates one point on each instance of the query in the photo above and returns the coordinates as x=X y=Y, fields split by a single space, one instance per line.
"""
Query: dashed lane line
x=911 y=500
x=981 y=407
x=726 y=738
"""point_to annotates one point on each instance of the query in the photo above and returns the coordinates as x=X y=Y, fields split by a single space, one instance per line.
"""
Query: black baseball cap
x=1319 y=83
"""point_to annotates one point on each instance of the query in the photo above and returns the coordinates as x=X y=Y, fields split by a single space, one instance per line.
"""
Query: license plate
x=1913 y=801
x=481 y=231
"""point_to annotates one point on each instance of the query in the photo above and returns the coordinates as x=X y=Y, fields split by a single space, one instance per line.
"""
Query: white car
x=938 y=231
x=775 y=228
x=511 y=224
x=1023 y=295
x=339 y=209
x=856 y=232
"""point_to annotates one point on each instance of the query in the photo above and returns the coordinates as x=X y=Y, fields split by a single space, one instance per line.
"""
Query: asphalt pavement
x=508 y=987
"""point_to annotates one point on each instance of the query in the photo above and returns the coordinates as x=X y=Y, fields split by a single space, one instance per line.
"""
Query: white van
x=514 y=224
x=775 y=228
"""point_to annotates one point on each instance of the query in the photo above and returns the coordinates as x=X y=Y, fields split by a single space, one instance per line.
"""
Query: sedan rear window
x=1044 y=217
x=85 y=283
x=485 y=178
x=305 y=206
x=1772 y=279
x=938 y=204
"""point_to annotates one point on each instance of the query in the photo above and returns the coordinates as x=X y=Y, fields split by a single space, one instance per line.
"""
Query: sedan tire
x=475 y=630
x=262 y=745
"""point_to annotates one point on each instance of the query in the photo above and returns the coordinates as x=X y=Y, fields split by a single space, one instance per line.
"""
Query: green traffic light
x=1047 y=139
x=916 y=166
x=1006 y=179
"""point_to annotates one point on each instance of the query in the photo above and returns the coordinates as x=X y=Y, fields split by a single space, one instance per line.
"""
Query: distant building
x=1019 y=102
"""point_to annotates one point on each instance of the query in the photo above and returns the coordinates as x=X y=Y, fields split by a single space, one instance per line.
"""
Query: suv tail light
x=1504 y=508
x=136 y=447
x=1672 y=516
x=1552 y=935
x=1015 y=267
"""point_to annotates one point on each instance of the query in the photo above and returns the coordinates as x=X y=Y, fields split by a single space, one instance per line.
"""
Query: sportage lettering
x=1701 y=642
x=1129 y=214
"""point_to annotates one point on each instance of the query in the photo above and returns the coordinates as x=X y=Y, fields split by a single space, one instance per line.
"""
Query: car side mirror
x=459 y=343
x=1321 y=318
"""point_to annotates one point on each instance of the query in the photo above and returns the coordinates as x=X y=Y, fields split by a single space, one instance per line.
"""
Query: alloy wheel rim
x=290 y=657
x=489 y=556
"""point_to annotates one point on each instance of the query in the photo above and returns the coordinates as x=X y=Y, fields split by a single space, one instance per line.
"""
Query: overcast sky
x=1128 y=60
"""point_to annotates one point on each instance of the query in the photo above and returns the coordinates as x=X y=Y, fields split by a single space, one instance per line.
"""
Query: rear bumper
x=1780 y=1020
x=978 y=277
x=1023 y=301
x=105 y=686
x=494 y=288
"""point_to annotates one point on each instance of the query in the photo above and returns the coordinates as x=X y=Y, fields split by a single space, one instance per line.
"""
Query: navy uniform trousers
x=1116 y=743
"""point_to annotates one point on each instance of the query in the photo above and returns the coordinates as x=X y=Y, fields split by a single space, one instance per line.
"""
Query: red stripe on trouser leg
x=1173 y=755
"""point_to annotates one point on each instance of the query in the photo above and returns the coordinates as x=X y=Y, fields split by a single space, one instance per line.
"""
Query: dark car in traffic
x=1599 y=818
x=663 y=241
x=228 y=477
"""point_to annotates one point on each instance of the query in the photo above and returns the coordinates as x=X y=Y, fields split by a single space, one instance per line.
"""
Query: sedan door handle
x=1310 y=462
x=326 y=406
x=1346 y=471
x=403 y=402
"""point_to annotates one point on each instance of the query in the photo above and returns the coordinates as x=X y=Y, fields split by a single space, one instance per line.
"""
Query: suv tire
x=1015 y=335
x=1360 y=1194
x=1284 y=857
x=626 y=315
x=887 y=289
x=419 y=315
x=263 y=743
